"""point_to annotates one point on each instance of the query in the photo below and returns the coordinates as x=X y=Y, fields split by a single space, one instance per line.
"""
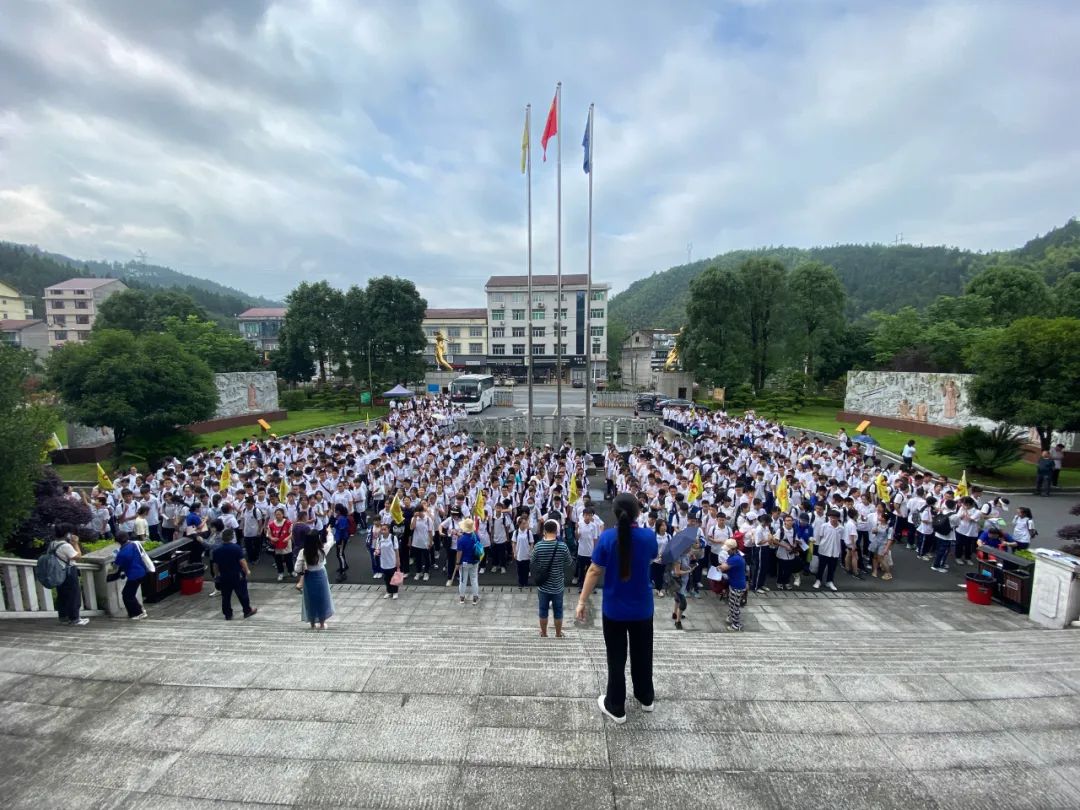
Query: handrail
x=23 y=597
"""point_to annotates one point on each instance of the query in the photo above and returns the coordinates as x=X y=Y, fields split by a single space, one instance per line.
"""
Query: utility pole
x=689 y=251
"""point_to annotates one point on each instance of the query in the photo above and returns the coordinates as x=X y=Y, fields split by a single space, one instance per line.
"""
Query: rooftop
x=451 y=314
x=263 y=312
x=16 y=325
x=83 y=283
x=568 y=280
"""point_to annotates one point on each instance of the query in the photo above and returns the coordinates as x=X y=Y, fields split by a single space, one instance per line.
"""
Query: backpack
x=478 y=550
x=50 y=570
x=941 y=523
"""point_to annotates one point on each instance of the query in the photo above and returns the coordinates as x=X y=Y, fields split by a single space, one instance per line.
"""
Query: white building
x=13 y=305
x=466 y=333
x=72 y=306
x=510 y=322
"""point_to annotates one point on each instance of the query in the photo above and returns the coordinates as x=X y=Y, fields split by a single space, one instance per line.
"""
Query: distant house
x=466 y=333
x=261 y=326
x=71 y=307
x=643 y=355
x=13 y=305
x=26 y=333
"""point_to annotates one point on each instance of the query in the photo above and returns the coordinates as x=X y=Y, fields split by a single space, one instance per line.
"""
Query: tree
x=143 y=386
x=818 y=312
x=713 y=344
x=144 y=311
x=963 y=310
x=393 y=313
x=1067 y=295
x=49 y=509
x=763 y=287
x=1029 y=374
x=314 y=316
x=293 y=359
x=844 y=350
x=1013 y=292
x=617 y=333
x=24 y=429
x=895 y=333
x=221 y=350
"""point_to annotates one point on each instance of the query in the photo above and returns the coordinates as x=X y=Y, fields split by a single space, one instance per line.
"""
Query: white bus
x=473 y=391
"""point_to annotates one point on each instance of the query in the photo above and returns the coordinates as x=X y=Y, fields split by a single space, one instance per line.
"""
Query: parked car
x=647 y=401
x=674 y=403
x=577 y=384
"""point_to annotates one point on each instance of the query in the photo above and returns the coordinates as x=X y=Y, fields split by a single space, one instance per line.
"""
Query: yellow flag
x=263 y=424
x=103 y=480
x=525 y=143
x=53 y=443
x=226 y=478
x=962 y=488
x=481 y=505
x=385 y=428
x=696 y=487
x=283 y=489
x=574 y=495
x=782 y=495
x=396 y=514
x=882 y=489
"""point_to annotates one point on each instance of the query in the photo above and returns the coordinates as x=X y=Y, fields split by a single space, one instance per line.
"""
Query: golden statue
x=672 y=361
x=440 y=351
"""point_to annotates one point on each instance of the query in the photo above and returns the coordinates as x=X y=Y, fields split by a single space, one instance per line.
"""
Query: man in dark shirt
x=232 y=575
x=1044 y=474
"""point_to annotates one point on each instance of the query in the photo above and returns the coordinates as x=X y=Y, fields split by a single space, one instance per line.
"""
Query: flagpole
x=528 y=208
x=588 y=298
x=558 y=268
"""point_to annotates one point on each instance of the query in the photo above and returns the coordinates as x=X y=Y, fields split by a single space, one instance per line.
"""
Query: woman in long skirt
x=316 y=606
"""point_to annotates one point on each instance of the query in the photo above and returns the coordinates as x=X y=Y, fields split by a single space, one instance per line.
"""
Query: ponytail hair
x=627 y=509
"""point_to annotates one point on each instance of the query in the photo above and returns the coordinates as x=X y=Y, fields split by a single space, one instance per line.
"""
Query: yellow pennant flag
x=962 y=490
x=53 y=443
x=882 y=489
x=782 y=495
x=481 y=506
x=696 y=487
x=263 y=424
x=574 y=494
x=283 y=489
x=525 y=142
x=385 y=428
x=226 y=478
x=103 y=480
x=396 y=514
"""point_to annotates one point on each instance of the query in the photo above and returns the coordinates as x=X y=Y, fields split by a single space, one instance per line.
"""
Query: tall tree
x=314 y=312
x=24 y=429
x=818 y=300
x=143 y=311
x=763 y=283
x=219 y=349
x=356 y=332
x=895 y=333
x=293 y=360
x=144 y=386
x=714 y=345
x=393 y=313
x=1029 y=374
x=1067 y=295
x=1013 y=291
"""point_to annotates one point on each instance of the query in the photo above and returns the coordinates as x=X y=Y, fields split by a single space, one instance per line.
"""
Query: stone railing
x=26 y=598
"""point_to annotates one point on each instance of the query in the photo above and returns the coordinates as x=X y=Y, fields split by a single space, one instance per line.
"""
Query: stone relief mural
x=244 y=392
x=938 y=399
x=84 y=436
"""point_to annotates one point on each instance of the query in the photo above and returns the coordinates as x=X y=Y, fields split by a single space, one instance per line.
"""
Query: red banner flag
x=551 y=128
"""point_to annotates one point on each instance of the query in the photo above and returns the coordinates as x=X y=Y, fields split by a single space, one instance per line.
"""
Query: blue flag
x=587 y=143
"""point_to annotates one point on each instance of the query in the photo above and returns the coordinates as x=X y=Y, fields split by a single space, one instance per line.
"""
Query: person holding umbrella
x=624 y=555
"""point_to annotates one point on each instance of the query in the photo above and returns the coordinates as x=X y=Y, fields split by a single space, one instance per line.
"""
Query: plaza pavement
x=826 y=700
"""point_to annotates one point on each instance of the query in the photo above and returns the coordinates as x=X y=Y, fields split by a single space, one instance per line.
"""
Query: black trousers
x=69 y=597
x=129 y=593
x=826 y=568
x=638 y=635
x=252 y=548
x=523 y=573
x=228 y=588
x=421 y=558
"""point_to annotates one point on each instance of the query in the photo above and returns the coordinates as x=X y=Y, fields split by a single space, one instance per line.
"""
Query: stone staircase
x=438 y=711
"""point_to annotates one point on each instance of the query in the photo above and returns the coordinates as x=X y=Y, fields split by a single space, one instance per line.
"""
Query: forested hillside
x=30 y=270
x=875 y=277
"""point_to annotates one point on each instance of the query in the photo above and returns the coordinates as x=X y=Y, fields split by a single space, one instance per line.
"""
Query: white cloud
x=264 y=143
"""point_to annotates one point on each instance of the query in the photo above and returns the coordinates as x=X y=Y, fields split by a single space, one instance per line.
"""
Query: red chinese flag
x=552 y=126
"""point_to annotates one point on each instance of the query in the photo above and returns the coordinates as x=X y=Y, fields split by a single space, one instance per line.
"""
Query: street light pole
x=371 y=388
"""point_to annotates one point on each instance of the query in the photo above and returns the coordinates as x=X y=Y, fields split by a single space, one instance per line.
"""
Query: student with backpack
x=56 y=569
x=943 y=523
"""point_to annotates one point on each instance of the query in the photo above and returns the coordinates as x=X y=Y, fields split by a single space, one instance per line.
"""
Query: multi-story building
x=466 y=333
x=72 y=306
x=13 y=305
x=550 y=322
x=26 y=334
x=261 y=326
x=643 y=355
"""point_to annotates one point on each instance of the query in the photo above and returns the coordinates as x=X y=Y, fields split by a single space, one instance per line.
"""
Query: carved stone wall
x=84 y=436
x=245 y=392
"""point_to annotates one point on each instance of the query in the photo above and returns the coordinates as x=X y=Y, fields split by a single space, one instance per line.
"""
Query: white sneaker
x=817 y=584
x=650 y=707
x=393 y=596
x=449 y=582
x=378 y=576
x=798 y=581
x=280 y=577
x=214 y=593
x=81 y=622
x=830 y=586
x=427 y=577
x=604 y=711
x=386 y=596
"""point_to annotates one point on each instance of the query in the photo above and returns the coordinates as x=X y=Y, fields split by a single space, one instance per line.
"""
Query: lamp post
x=371 y=388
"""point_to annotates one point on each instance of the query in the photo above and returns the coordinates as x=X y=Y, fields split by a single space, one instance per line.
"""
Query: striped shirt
x=557 y=555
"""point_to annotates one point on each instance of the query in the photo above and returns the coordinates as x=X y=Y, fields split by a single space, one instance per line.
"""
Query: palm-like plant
x=980 y=450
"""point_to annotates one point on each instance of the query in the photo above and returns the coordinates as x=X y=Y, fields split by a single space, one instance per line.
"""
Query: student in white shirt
x=522 y=541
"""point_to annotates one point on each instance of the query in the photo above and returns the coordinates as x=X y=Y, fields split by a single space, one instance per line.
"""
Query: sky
x=261 y=143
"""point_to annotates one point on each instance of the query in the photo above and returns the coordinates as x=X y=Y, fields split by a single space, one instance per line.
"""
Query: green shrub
x=293 y=400
x=981 y=451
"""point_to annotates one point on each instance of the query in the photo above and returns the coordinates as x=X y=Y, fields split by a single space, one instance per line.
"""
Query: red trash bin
x=979 y=589
x=191 y=578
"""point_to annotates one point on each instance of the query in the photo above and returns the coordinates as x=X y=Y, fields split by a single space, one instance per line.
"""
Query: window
x=80 y=292
x=453 y=331
x=498 y=331
x=538 y=314
x=82 y=305
x=55 y=292
x=538 y=348
x=596 y=347
x=476 y=331
x=562 y=331
x=517 y=314
x=57 y=304
x=596 y=331
x=498 y=348
x=560 y=347
x=596 y=313
x=562 y=314
x=60 y=334
x=519 y=348
x=251 y=329
x=538 y=331
x=59 y=320
x=517 y=331
x=83 y=319
x=497 y=298
x=476 y=348
x=455 y=348
x=517 y=298
x=497 y=314
x=597 y=295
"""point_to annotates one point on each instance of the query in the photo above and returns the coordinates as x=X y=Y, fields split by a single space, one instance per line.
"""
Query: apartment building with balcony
x=71 y=307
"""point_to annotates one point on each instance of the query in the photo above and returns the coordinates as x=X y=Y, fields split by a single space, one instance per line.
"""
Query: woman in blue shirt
x=735 y=568
x=624 y=556
x=129 y=561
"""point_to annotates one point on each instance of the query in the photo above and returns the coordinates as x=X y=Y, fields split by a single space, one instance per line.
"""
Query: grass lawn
x=1018 y=474
x=297 y=421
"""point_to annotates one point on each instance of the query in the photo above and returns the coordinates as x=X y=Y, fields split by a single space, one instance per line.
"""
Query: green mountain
x=876 y=277
x=30 y=270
